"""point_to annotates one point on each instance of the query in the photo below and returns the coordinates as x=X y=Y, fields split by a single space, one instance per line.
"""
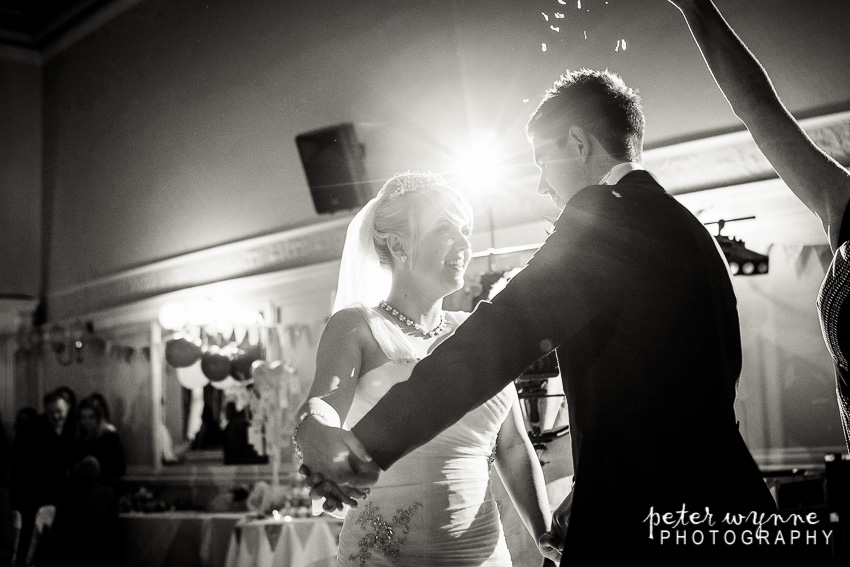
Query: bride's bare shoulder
x=347 y=320
x=349 y=329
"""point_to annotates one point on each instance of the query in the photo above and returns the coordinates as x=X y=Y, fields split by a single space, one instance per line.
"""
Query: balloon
x=215 y=366
x=182 y=351
x=242 y=363
x=192 y=377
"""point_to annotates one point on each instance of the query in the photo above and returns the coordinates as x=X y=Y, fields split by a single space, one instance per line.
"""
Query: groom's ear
x=396 y=246
x=579 y=142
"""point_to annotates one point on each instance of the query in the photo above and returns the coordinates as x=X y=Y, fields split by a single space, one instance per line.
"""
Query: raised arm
x=820 y=182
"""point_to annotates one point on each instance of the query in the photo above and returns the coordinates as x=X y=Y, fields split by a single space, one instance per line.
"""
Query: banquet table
x=164 y=539
x=284 y=542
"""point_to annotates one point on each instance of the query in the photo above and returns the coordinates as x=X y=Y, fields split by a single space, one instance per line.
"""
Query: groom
x=635 y=296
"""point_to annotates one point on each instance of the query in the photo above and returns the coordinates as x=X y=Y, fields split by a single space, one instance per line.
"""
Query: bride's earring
x=404 y=257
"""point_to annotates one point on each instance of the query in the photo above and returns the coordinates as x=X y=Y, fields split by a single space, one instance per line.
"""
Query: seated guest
x=97 y=398
x=42 y=455
x=84 y=531
x=97 y=439
x=52 y=449
x=69 y=426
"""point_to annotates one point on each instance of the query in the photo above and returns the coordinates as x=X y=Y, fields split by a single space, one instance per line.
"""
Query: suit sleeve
x=565 y=285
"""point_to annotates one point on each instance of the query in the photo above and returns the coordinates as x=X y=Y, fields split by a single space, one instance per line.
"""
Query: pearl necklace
x=440 y=328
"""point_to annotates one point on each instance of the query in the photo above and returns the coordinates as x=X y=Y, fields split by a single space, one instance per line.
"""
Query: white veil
x=362 y=278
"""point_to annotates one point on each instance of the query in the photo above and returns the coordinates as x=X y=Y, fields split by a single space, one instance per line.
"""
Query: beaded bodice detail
x=384 y=535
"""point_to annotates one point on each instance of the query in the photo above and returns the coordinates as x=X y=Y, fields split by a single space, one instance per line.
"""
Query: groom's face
x=561 y=169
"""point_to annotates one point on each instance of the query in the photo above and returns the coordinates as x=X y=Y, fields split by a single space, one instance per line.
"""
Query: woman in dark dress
x=96 y=438
x=84 y=529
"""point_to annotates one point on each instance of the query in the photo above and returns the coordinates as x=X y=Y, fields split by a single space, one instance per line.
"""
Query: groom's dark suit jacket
x=635 y=295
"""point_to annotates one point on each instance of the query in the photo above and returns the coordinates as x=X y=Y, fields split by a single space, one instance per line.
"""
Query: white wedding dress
x=433 y=507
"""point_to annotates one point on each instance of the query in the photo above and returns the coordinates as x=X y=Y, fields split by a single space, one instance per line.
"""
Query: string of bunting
x=73 y=344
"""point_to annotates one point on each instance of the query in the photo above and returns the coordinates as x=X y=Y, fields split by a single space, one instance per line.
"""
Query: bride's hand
x=550 y=547
x=335 y=496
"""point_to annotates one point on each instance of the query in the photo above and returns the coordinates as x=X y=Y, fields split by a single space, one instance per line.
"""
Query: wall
x=20 y=175
x=171 y=128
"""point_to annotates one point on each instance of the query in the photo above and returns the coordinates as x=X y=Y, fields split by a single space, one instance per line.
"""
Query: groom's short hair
x=598 y=101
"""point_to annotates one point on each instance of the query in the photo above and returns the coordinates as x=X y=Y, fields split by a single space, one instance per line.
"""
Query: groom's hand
x=335 y=496
x=339 y=457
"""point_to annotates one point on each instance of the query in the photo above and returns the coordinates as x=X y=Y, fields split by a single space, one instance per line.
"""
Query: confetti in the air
x=525 y=100
x=555 y=28
x=585 y=34
x=618 y=46
x=624 y=45
x=558 y=15
x=545 y=17
x=579 y=4
x=562 y=2
x=543 y=46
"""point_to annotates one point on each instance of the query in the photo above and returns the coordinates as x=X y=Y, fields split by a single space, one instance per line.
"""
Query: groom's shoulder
x=593 y=207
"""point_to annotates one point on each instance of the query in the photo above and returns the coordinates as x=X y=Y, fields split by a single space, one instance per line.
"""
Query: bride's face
x=442 y=250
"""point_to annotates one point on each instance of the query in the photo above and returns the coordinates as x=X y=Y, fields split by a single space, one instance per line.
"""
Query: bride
x=404 y=252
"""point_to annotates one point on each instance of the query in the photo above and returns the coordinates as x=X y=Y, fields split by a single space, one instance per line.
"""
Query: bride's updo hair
x=403 y=197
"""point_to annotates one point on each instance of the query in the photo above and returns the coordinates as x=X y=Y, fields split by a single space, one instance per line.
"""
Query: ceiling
x=34 y=24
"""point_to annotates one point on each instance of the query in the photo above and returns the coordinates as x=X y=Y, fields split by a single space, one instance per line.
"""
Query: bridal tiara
x=411 y=182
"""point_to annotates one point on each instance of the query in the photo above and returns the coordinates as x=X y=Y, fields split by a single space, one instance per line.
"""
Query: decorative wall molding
x=728 y=164
x=295 y=248
x=734 y=159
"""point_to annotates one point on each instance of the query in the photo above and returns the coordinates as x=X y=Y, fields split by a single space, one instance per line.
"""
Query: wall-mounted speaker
x=333 y=162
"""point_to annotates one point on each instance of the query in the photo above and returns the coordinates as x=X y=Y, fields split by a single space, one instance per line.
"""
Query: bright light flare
x=478 y=161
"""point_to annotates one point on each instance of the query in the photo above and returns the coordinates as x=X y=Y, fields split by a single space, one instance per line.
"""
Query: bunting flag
x=252 y=541
x=273 y=532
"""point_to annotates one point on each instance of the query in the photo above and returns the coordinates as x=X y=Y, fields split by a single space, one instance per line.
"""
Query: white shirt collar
x=616 y=173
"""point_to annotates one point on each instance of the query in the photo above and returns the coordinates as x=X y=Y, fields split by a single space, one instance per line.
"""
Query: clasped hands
x=336 y=466
x=551 y=543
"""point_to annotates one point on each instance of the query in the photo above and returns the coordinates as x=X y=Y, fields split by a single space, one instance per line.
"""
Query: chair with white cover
x=43 y=522
x=17 y=522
